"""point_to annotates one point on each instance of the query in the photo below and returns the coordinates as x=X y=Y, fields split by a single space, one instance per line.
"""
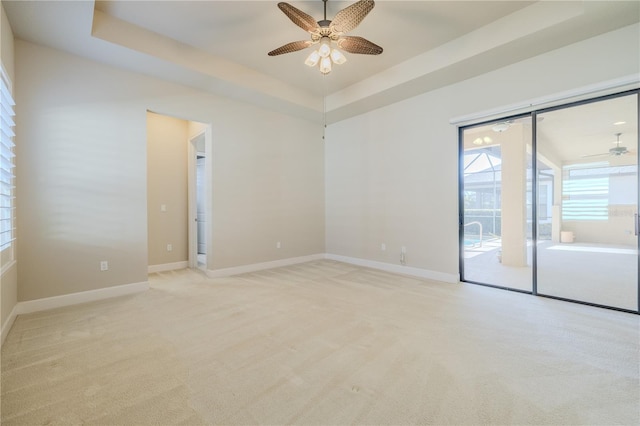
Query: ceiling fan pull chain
x=324 y=105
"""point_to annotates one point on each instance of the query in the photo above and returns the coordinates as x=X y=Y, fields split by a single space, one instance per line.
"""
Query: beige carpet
x=321 y=343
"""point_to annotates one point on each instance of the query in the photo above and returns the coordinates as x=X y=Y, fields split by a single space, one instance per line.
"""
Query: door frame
x=192 y=154
x=461 y=211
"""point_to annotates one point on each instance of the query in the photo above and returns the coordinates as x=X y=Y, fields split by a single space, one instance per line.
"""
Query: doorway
x=563 y=226
x=173 y=147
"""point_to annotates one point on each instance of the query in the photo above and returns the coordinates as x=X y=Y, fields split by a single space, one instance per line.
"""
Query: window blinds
x=589 y=189
x=7 y=229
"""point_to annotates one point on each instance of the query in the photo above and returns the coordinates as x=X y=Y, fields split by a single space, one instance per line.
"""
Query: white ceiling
x=221 y=46
x=243 y=32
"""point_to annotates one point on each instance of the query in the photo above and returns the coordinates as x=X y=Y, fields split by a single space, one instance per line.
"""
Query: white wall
x=392 y=174
x=82 y=174
x=6 y=44
x=167 y=146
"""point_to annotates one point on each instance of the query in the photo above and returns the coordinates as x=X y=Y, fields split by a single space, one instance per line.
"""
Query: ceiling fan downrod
x=324 y=22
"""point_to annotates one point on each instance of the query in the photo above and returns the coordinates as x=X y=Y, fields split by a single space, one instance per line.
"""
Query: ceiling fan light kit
x=326 y=32
x=618 y=150
x=325 y=56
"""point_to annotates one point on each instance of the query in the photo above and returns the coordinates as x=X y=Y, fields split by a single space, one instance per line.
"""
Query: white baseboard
x=225 y=272
x=398 y=269
x=7 y=325
x=121 y=290
x=168 y=266
x=80 y=297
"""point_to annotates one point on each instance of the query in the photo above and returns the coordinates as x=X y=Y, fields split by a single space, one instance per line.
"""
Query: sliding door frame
x=534 y=226
x=461 y=200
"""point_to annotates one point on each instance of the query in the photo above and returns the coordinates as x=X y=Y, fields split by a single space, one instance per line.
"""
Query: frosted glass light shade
x=337 y=57
x=325 y=65
x=312 y=59
x=325 y=57
x=324 y=50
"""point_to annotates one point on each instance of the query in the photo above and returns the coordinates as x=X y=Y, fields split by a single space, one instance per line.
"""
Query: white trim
x=598 y=89
x=192 y=231
x=8 y=266
x=80 y=297
x=192 y=221
x=121 y=290
x=225 y=272
x=208 y=173
x=168 y=266
x=6 y=327
x=397 y=269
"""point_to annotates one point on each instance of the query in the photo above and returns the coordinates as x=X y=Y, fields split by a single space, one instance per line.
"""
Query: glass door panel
x=496 y=243
x=587 y=202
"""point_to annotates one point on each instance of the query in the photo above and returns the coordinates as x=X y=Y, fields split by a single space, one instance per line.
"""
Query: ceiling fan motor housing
x=618 y=150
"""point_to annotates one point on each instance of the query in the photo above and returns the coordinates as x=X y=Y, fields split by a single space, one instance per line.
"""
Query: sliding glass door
x=570 y=233
x=588 y=191
x=497 y=199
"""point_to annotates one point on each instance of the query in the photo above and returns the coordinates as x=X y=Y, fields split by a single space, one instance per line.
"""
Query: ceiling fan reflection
x=616 y=151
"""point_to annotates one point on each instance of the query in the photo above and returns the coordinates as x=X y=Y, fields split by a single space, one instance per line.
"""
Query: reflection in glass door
x=497 y=201
x=587 y=202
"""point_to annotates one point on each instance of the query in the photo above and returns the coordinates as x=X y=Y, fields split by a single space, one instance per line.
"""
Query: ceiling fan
x=616 y=151
x=325 y=32
x=502 y=126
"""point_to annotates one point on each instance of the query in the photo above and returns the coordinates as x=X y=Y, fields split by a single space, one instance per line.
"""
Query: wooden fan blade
x=299 y=18
x=351 y=16
x=359 y=45
x=291 y=47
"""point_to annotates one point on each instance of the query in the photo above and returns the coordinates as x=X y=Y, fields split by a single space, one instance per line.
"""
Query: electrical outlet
x=278 y=245
x=104 y=265
x=403 y=249
x=383 y=247
x=169 y=247
x=163 y=207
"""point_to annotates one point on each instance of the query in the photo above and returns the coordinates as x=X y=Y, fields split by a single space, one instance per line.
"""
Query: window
x=7 y=229
x=589 y=189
